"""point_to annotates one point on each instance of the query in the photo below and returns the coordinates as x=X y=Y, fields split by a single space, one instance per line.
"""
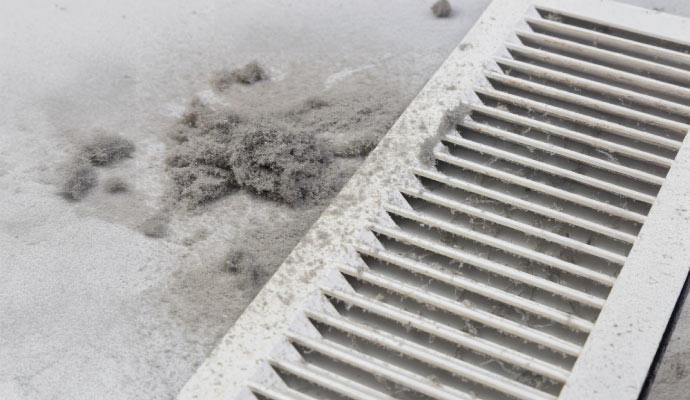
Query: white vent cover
x=541 y=256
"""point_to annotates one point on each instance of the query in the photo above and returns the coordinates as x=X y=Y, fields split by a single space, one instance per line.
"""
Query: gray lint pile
x=288 y=155
x=296 y=155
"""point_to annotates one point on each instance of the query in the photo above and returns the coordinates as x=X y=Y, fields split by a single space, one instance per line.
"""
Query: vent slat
x=513 y=224
x=612 y=28
x=642 y=66
x=553 y=149
x=563 y=132
x=601 y=71
x=466 y=311
x=432 y=357
x=380 y=368
x=331 y=381
x=551 y=169
x=525 y=205
x=587 y=84
x=597 y=105
x=453 y=335
x=504 y=246
x=494 y=267
x=616 y=42
x=278 y=394
x=487 y=291
x=540 y=187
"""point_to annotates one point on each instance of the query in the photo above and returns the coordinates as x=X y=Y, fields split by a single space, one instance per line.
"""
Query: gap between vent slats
x=513 y=224
x=601 y=71
x=525 y=205
x=278 y=394
x=493 y=267
x=595 y=86
x=450 y=334
x=540 y=187
x=329 y=380
x=657 y=53
x=432 y=357
x=678 y=128
x=503 y=245
x=559 y=131
x=548 y=168
x=380 y=368
x=466 y=311
x=595 y=53
x=487 y=291
x=561 y=151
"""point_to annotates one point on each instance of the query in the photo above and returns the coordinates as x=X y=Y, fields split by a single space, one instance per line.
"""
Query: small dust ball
x=441 y=9
x=155 y=226
x=115 y=184
x=247 y=75
x=77 y=179
x=104 y=149
x=554 y=17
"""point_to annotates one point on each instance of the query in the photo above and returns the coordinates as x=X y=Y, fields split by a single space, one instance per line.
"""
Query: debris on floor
x=441 y=9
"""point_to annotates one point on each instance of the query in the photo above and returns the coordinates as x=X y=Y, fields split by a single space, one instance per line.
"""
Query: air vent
x=539 y=254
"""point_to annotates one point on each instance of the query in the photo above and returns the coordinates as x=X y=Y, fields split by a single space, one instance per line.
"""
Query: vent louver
x=484 y=275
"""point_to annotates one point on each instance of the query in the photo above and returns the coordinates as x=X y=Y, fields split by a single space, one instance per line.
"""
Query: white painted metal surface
x=538 y=258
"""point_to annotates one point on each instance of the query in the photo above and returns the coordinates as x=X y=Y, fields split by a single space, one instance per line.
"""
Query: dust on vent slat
x=461 y=338
x=514 y=224
x=603 y=72
x=601 y=106
x=431 y=357
x=561 y=151
x=613 y=43
x=602 y=88
x=566 y=133
x=377 y=367
x=493 y=267
x=330 y=380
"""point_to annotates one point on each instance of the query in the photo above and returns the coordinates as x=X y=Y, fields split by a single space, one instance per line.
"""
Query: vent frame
x=611 y=346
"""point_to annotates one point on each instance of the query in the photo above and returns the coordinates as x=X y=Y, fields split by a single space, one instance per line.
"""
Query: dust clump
x=115 y=185
x=79 y=175
x=279 y=164
x=197 y=184
x=104 y=149
x=233 y=262
x=155 y=226
x=350 y=125
x=355 y=147
x=195 y=237
x=77 y=179
x=426 y=153
x=249 y=272
x=554 y=17
x=218 y=152
x=288 y=155
x=441 y=9
x=247 y=75
x=200 y=164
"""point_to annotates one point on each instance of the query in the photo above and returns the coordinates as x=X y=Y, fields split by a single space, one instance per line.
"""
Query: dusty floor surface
x=89 y=306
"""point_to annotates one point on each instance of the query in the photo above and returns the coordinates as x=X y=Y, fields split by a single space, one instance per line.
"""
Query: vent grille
x=486 y=274
x=496 y=271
